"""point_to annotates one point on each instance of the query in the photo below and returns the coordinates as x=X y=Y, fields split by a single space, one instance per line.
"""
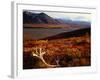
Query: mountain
x=81 y=23
x=63 y=21
x=30 y=17
x=42 y=18
x=74 y=22
x=73 y=33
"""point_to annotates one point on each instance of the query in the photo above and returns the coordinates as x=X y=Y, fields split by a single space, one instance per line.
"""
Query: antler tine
x=57 y=62
x=35 y=55
x=40 y=51
x=36 y=51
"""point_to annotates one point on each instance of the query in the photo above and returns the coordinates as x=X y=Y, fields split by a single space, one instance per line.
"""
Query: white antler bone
x=39 y=53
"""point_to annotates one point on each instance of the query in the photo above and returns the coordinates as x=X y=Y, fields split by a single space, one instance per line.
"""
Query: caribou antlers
x=39 y=54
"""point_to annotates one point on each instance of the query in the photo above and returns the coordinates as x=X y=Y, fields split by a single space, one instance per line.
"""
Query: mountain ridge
x=38 y=18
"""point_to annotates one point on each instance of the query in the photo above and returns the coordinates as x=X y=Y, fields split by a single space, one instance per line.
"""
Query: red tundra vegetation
x=64 y=52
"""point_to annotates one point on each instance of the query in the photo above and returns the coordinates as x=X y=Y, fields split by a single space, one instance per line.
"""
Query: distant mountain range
x=42 y=18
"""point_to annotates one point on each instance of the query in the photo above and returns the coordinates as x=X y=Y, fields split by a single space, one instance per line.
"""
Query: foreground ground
x=64 y=52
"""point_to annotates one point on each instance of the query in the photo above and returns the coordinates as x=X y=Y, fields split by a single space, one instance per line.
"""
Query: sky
x=68 y=15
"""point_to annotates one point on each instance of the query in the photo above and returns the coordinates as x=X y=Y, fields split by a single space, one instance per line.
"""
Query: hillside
x=74 y=33
x=38 y=18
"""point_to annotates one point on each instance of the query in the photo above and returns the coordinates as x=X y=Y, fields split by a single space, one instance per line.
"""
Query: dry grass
x=74 y=51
